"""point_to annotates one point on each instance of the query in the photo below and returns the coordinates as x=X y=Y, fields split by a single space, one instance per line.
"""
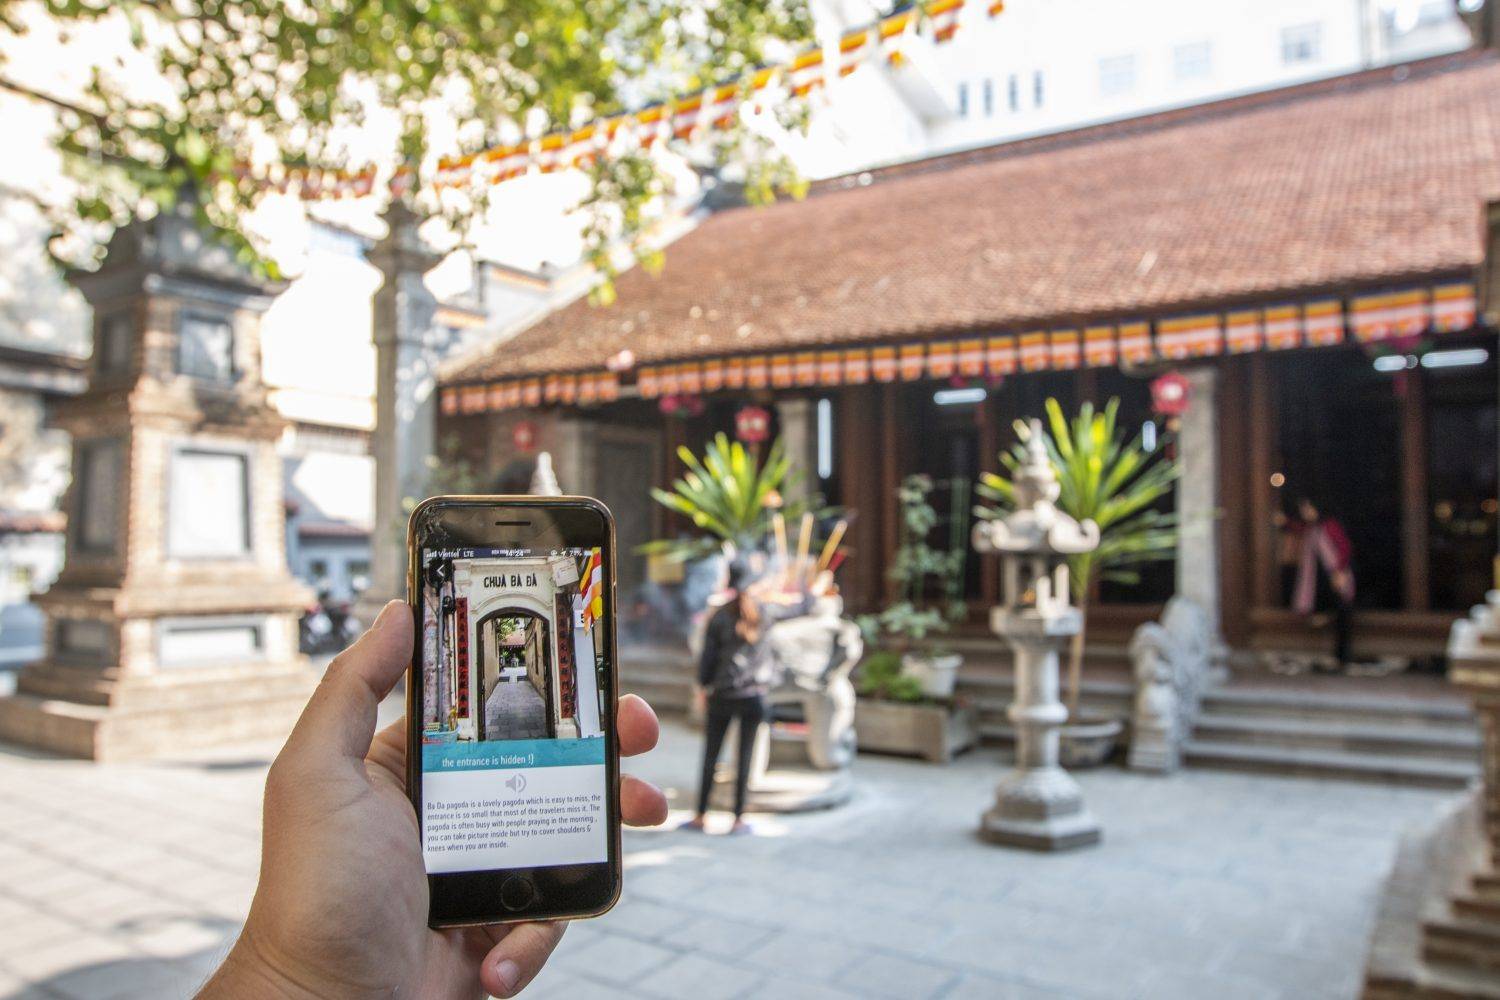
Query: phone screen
x=513 y=738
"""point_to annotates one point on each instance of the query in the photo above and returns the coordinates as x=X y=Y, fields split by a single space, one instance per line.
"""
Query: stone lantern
x=1037 y=805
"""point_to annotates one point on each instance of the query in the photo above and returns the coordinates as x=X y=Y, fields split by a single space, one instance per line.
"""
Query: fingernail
x=510 y=975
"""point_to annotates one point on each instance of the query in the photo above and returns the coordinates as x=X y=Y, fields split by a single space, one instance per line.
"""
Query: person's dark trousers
x=751 y=711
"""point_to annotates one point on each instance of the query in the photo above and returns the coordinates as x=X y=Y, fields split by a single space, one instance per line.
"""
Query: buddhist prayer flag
x=1000 y=355
x=473 y=399
x=1034 y=353
x=567 y=388
x=609 y=387
x=1189 y=336
x=734 y=373
x=1282 y=327
x=1381 y=315
x=449 y=402
x=757 y=372
x=649 y=383
x=713 y=376
x=1098 y=346
x=550 y=388
x=857 y=366
x=883 y=364
x=911 y=362
x=690 y=378
x=1065 y=349
x=588 y=389
x=493 y=397
x=1135 y=342
x=971 y=358
x=805 y=368
x=830 y=368
x=941 y=359
x=1453 y=307
x=1323 y=323
x=669 y=381
x=781 y=370
x=1242 y=331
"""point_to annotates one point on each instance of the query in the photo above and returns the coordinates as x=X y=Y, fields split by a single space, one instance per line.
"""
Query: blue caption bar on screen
x=511 y=754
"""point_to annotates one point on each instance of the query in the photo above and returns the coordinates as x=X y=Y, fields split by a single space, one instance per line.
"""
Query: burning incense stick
x=779 y=523
x=830 y=546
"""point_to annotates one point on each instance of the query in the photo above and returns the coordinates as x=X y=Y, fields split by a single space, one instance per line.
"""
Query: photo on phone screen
x=513 y=724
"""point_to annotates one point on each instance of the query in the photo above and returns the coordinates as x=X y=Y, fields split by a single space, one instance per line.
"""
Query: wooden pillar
x=890 y=479
x=1265 y=588
x=989 y=461
x=1414 y=522
x=860 y=480
x=1234 y=481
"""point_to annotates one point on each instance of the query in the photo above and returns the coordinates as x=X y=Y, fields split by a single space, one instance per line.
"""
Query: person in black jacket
x=735 y=674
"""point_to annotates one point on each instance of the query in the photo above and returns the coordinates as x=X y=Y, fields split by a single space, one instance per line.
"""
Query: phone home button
x=517 y=892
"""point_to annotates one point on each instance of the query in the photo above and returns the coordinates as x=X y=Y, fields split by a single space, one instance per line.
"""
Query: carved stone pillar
x=173 y=624
x=404 y=395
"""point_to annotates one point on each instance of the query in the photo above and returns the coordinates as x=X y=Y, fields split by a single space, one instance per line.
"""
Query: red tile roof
x=1346 y=183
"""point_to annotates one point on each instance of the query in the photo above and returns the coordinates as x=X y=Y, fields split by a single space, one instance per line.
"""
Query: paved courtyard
x=515 y=711
x=130 y=882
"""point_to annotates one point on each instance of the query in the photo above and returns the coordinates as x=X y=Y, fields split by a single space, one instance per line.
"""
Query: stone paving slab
x=130 y=881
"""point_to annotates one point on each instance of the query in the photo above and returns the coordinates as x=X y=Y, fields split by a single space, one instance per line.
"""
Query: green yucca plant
x=731 y=495
x=1106 y=477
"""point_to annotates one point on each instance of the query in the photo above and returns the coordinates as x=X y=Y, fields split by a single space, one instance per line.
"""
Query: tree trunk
x=1075 y=664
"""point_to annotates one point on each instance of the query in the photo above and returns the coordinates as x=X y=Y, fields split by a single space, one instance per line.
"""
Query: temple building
x=1305 y=258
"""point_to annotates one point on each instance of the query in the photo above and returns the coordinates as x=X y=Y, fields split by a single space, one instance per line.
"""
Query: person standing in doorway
x=735 y=674
x=1325 y=577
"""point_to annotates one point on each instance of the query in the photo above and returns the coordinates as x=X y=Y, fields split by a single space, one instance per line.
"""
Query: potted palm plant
x=731 y=496
x=1114 y=480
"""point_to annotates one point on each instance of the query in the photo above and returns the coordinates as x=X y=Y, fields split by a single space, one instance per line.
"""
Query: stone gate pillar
x=404 y=310
x=173 y=624
x=1198 y=496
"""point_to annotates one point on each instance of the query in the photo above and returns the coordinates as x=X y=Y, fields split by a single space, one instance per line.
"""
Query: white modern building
x=1042 y=66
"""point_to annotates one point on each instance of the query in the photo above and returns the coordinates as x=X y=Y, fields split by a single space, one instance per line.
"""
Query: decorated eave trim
x=1326 y=321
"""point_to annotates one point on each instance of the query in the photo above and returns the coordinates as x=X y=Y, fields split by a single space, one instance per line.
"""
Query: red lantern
x=1169 y=395
x=752 y=424
x=523 y=436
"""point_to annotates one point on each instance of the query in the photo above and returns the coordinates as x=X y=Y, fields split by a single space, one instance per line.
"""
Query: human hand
x=341 y=906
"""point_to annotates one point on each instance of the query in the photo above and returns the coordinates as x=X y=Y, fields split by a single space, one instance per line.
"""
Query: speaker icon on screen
x=516 y=782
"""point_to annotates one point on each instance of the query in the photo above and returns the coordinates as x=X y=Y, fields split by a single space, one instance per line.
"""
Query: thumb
x=339 y=719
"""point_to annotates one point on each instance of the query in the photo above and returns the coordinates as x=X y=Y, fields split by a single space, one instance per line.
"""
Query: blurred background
x=790 y=280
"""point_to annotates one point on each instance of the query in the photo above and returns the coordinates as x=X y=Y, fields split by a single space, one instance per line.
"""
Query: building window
x=114 y=343
x=1038 y=88
x=1013 y=94
x=100 y=495
x=208 y=505
x=205 y=347
x=1116 y=75
x=963 y=100
x=988 y=95
x=1193 y=61
x=1301 y=43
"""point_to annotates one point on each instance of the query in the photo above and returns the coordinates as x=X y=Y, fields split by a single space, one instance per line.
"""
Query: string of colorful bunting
x=713 y=108
x=1322 y=322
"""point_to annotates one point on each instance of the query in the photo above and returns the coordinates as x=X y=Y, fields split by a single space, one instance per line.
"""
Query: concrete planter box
x=933 y=732
x=1089 y=742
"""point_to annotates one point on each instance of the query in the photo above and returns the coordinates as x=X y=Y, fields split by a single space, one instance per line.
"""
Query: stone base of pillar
x=786 y=790
x=1040 y=809
x=85 y=713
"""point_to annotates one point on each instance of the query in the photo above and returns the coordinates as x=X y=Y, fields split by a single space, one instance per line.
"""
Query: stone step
x=1465 y=943
x=665 y=688
x=1352 y=708
x=1422 y=771
x=1476 y=908
x=1487 y=886
x=1448 y=743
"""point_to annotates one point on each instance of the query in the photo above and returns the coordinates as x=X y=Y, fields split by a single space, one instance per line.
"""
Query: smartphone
x=512 y=762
